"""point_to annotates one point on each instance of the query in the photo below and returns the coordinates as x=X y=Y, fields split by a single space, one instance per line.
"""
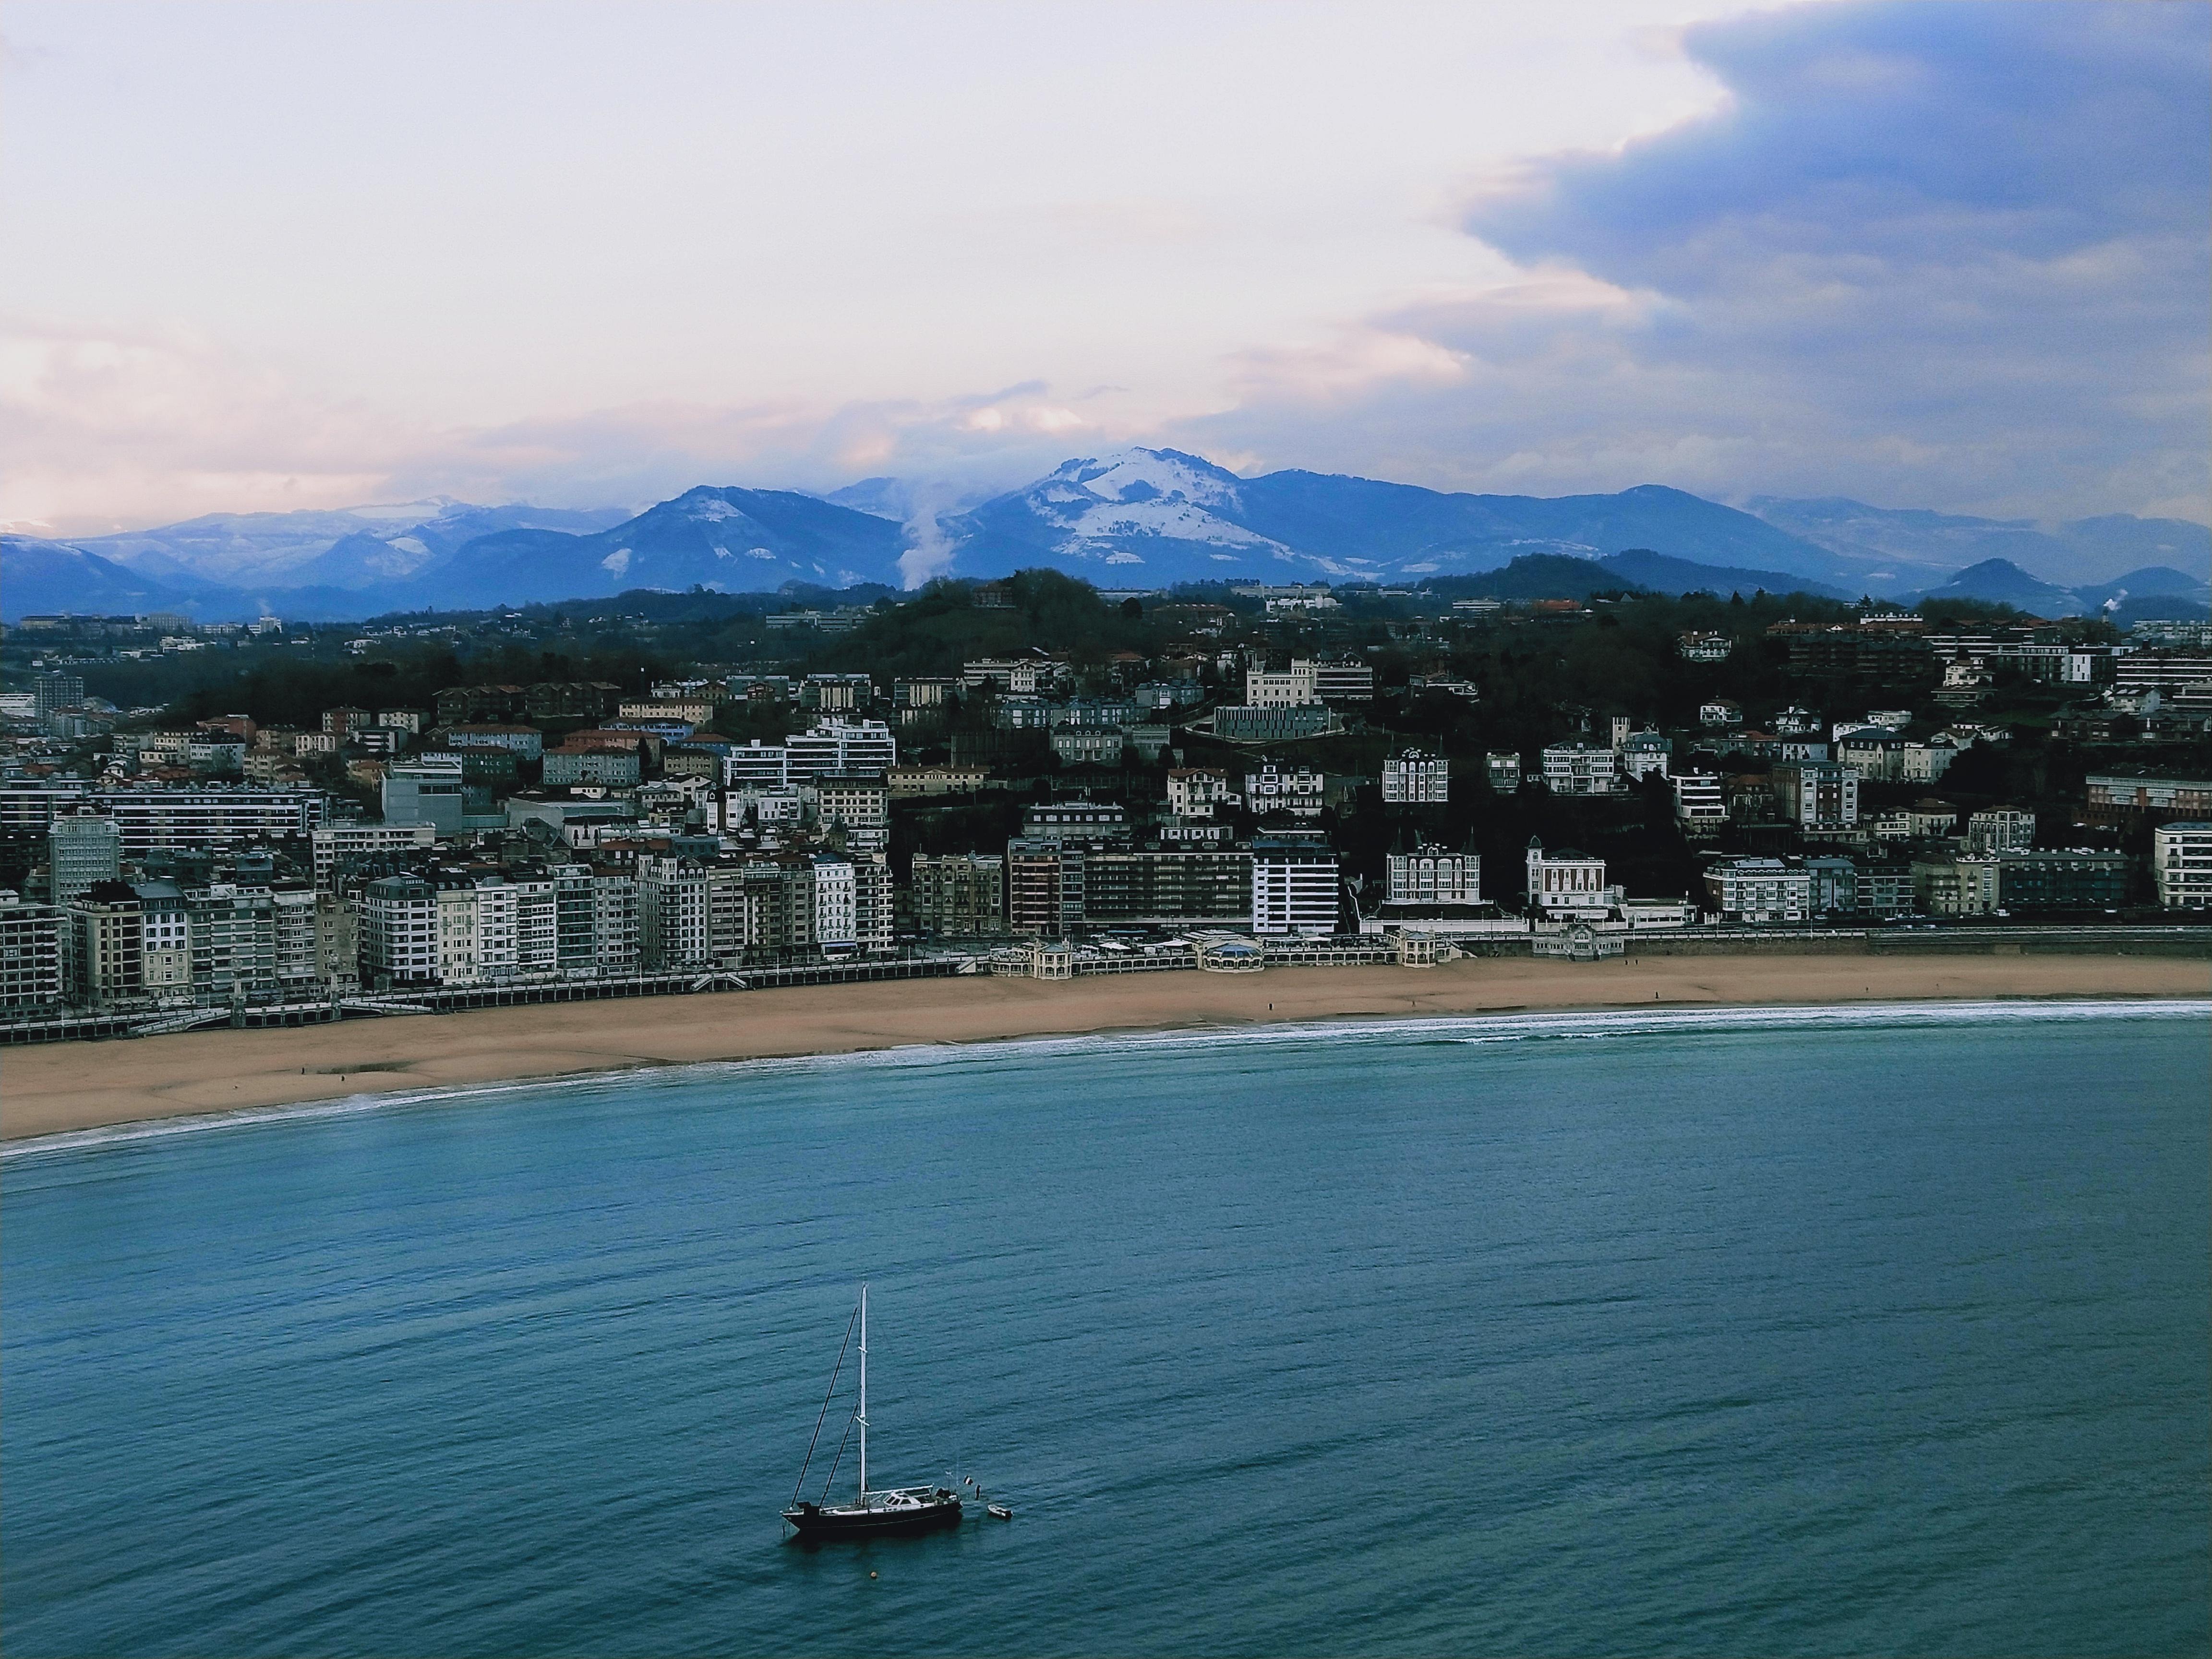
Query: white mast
x=864 y=1395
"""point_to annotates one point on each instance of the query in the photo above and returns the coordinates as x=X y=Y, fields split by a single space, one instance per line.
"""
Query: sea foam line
x=1400 y=1029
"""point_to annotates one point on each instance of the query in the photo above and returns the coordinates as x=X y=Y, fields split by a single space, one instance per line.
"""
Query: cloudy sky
x=291 y=254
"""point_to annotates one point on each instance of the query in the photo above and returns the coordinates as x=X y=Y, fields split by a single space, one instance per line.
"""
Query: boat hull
x=811 y=1522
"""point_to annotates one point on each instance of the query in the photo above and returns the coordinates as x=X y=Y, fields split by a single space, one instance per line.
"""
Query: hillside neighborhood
x=277 y=822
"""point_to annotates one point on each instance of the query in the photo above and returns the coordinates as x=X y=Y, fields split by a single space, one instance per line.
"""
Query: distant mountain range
x=1913 y=548
x=1143 y=517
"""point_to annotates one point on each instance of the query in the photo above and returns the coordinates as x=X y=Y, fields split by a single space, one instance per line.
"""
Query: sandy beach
x=77 y=1085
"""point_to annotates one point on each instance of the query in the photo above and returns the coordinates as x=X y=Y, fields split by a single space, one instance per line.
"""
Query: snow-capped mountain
x=1156 y=516
x=727 y=540
x=354 y=547
x=1158 y=513
x=1147 y=518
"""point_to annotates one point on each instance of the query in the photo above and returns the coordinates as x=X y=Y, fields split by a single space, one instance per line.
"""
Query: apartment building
x=1296 y=885
x=958 y=895
x=1955 y=884
x=674 y=930
x=2060 y=878
x=30 y=955
x=81 y=850
x=1297 y=790
x=1344 y=682
x=1567 y=882
x=1287 y=688
x=2129 y=800
x=835 y=746
x=858 y=806
x=2000 y=829
x=1430 y=874
x=1817 y=795
x=336 y=847
x=2181 y=860
x=398 y=932
x=1582 y=769
x=1414 y=777
x=1756 y=890
x=1700 y=806
x=1644 y=754
x=1196 y=792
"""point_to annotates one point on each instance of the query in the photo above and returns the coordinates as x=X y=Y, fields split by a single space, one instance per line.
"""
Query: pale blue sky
x=283 y=254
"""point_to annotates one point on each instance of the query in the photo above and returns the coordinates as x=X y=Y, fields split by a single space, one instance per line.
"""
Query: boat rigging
x=873 y=1511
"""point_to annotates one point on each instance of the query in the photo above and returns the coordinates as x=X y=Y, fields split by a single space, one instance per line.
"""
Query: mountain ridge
x=1156 y=517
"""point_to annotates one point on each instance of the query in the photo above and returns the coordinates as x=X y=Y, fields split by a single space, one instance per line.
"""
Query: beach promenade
x=77 y=1085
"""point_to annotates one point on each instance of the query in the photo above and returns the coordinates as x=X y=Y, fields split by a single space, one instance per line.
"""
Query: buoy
x=872 y=1575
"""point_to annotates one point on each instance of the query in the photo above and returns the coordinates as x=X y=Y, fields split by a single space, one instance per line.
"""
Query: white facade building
x=1759 y=890
x=1299 y=792
x=1416 y=777
x=1287 y=688
x=861 y=805
x=2181 y=858
x=398 y=933
x=1568 y=882
x=1700 y=805
x=840 y=745
x=1582 y=769
x=836 y=904
x=1196 y=792
x=335 y=843
x=755 y=765
x=1294 y=886
x=1434 y=875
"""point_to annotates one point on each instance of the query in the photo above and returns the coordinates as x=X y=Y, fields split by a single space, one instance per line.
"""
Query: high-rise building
x=164 y=941
x=103 y=947
x=398 y=925
x=1296 y=888
x=674 y=915
x=234 y=942
x=81 y=850
x=53 y=692
x=30 y=955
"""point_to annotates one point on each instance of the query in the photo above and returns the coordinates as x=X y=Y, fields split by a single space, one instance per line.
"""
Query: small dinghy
x=997 y=1512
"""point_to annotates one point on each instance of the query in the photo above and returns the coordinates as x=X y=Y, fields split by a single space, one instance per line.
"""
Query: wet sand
x=79 y=1085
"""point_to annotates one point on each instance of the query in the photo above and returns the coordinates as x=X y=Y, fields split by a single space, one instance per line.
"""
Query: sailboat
x=871 y=1512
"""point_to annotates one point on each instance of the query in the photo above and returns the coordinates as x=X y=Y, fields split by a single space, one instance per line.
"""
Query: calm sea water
x=1865 y=1332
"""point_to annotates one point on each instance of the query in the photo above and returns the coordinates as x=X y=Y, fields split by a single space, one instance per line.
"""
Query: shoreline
x=77 y=1086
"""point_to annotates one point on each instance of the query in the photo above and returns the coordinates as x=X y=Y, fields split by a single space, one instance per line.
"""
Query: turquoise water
x=1792 y=1333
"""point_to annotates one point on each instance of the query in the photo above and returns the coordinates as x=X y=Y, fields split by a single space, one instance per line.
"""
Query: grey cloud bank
x=1931 y=253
